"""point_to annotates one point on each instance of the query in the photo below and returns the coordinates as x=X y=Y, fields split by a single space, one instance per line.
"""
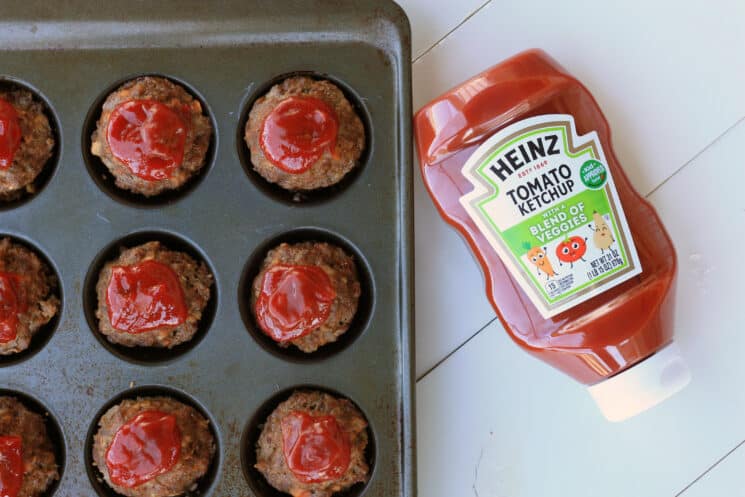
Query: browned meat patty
x=37 y=290
x=199 y=131
x=270 y=458
x=342 y=272
x=197 y=446
x=195 y=279
x=330 y=168
x=38 y=453
x=34 y=150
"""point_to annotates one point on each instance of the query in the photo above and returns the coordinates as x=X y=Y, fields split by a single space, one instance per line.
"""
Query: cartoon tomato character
x=538 y=257
x=571 y=250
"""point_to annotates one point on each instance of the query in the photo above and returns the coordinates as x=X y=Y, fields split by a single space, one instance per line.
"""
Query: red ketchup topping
x=143 y=448
x=145 y=296
x=315 y=447
x=11 y=466
x=297 y=132
x=293 y=301
x=10 y=133
x=148 y=137
x=12 y=303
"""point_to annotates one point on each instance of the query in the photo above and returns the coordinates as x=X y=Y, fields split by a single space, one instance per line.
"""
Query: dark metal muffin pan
x=71 y=55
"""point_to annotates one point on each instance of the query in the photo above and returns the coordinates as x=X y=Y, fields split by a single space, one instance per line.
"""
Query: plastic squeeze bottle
x=578 y=265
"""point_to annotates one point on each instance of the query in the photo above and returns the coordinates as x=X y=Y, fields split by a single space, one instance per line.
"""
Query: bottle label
x=545 y=200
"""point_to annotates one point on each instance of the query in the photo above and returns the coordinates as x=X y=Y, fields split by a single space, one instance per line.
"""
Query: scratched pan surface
x=72 y=53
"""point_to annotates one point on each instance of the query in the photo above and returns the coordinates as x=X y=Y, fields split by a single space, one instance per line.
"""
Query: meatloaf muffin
x=304 y=134
x=152 y=135
x=28 y=296
x=174 y=447
x=151 y=296
x=313 y=445
x=26 y=453
x=26 y=142
x=305 y=294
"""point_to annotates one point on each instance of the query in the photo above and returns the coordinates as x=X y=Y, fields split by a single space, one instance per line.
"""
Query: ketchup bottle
x=578 y=265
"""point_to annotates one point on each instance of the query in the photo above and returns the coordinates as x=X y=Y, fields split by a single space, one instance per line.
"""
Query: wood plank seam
x=469 y=16
x=456 y=349
x=696 y=156
x=716 y=463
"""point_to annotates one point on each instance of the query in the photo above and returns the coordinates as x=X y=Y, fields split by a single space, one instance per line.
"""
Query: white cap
x=642 y=386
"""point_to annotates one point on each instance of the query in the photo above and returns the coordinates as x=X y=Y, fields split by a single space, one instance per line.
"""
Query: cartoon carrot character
x=538 y=257
x=602 y=236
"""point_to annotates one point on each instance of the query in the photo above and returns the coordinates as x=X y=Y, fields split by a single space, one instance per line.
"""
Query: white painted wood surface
x=494 y=422
x=729 y=476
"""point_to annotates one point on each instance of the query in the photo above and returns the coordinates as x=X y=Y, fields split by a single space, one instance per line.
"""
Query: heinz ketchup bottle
x=578 y=265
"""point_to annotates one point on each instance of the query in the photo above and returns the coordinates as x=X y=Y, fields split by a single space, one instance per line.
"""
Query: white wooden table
x=494 y=422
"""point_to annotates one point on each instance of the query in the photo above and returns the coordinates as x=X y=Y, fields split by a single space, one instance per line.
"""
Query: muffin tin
x=228 y=217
